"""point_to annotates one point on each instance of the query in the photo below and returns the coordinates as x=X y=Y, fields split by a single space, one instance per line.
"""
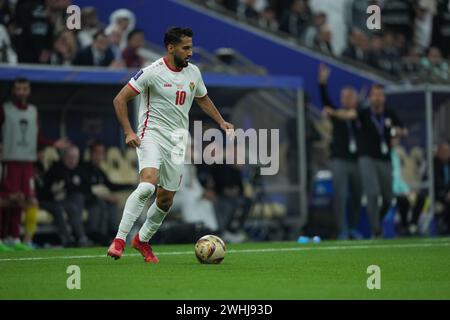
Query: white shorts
x=152 y=154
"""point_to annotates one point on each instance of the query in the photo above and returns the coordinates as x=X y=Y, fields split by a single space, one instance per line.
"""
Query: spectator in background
x=295 y=19
x=376 y=51
x=33 y=44
x=434 y=64
x=442 y=186
x=411 y=63
x=344 y=158
x=66 y=188
x=130 y=54
x=114 y=38
x=441 y=28
x=423 y=26
x=46 y=203
x=101 y=202
x=246 y=10
x=7 y=53
x=268 y=19
x=322 y=41
x=389 y=60
x=358 y=48
x=400 y=44
x=57 y=12
x=64 y=48
x=312 y=32
x=123 y=19
x=97 y=54
x=89 y=26
x=20 y=135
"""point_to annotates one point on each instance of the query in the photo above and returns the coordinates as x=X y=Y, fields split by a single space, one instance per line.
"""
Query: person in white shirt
x=167 y=88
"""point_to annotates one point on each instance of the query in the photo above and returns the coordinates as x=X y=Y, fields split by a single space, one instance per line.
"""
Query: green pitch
x=409 y=269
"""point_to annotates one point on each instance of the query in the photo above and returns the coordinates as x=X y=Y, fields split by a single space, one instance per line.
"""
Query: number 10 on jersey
x=181 y=98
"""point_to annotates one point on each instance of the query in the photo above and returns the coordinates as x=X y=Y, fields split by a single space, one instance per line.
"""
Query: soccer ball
x=210 y=249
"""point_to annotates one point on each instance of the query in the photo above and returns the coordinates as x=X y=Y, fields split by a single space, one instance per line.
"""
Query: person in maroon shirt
x=130 y=54
x=20 y=136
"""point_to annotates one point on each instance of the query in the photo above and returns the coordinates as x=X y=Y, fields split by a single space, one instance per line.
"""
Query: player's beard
x=180 y=63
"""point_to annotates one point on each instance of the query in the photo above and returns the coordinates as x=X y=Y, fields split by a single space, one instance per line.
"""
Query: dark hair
x=94 y=144
x=21 y=80
x=376 y=86
x=173 y=35
x=99 y=33
x=133 y=32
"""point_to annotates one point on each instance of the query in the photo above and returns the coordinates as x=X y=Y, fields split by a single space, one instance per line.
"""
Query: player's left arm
x=210 y=109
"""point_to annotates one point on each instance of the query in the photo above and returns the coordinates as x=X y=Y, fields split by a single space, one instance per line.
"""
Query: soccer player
x=167 y=87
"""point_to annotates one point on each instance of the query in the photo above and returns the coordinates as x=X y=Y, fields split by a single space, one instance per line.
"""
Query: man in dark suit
x=97 y=54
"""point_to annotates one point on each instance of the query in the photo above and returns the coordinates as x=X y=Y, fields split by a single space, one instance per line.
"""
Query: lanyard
x=379 y=124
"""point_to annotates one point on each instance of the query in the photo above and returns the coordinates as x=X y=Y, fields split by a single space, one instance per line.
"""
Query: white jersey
x=166 y=98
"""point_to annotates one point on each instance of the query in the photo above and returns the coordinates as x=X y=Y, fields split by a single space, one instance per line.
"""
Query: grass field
x=410 y=269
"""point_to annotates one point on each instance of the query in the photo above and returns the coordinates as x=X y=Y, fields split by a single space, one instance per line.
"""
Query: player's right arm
x=120 y=106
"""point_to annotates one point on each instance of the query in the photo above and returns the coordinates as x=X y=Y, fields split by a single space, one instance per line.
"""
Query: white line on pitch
x=275 y=250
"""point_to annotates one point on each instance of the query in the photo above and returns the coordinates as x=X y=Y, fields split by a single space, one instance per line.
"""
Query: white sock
x=155 y=217
x=133 y=208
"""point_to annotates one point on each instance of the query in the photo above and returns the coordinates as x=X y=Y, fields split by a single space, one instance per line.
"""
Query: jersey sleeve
x=201 y=88
x=142 y=79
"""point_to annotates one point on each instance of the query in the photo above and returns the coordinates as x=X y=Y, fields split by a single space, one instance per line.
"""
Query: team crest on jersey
x=192 y=86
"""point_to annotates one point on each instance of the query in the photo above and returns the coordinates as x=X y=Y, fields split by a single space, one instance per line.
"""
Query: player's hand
x=228 y=128
x=132 y=140
x=324 y=73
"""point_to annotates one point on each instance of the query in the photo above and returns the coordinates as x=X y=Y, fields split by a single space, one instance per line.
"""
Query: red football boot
x=116 y=248
x=145 y=249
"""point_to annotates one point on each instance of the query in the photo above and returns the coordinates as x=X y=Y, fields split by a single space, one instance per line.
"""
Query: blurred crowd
x=413 y=41
x=34 y=31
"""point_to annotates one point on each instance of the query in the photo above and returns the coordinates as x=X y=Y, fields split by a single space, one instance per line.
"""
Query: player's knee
x=164 y=202
x=144 y=190
x=148 y=176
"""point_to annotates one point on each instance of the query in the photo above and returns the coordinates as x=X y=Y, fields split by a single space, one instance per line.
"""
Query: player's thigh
x=149 y=174
x=170 y=173
x=149 y=158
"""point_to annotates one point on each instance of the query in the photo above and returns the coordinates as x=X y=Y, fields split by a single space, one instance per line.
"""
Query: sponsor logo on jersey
x=137 y=75
x=192 y=86
x=167 y=85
